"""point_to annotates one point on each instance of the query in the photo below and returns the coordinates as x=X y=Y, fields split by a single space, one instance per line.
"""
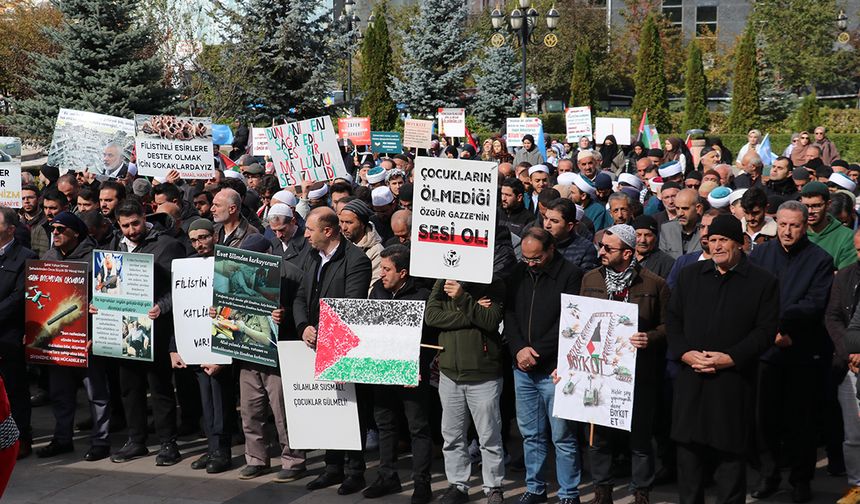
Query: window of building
x=672 y=10
x=706 y=21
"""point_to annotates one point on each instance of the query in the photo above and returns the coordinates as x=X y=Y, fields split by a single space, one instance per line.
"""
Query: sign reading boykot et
x=305 y=150
x=454 y=219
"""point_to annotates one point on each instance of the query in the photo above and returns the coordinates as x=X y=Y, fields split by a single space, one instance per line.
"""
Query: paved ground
x=69 y=479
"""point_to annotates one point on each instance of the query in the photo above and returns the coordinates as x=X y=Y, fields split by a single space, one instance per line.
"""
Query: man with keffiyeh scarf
x=621 y=278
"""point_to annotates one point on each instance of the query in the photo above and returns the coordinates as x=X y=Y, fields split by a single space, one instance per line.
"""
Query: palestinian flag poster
x=369 y=341
x=596 y=361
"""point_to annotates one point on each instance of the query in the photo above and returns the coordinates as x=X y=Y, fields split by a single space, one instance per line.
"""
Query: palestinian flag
x=228 y=163
x=369 y=341
x=593 y=343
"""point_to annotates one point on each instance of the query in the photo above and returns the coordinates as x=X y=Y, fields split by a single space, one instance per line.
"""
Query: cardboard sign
x=321 y=415
x=454 y=219
x=452 y=122
x=259 y=142
x=305 y=150
x=417 y=134
x=192 y=293
x=618 y=126
x=99 y=143
x=578 y=123
x=596 y=361
x=518 y=127
x=122 y=291
x=10 y=172
x=355 y=129
x=178 y=143
x=55 y=313
x=385 y=142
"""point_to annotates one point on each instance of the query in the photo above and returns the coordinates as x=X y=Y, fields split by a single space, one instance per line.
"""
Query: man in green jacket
x=470 y=381
x=825 y=231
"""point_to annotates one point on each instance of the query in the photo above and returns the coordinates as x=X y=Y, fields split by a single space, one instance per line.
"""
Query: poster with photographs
x=10 y=172
x=55 y=313
x=166 y=142
x=246 y=290
x=99 y=143
x=123 y=294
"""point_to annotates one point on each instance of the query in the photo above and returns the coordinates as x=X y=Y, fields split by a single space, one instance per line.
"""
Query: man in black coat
x=789 y=371
x=134 y=376
x=723 y=315
x=333 y=268
x=13 y=259
x=396 y=283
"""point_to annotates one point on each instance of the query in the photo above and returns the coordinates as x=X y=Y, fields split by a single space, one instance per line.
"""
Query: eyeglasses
x=692 y=185
x=58 y=229
x=819 y=132
x=201 y=238
x=608 y=248
x=532 y=261
x=804 y=138
x=815 y=206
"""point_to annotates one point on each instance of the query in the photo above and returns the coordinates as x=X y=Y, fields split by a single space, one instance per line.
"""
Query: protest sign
x=320 y=415
x=305 y=150
x=355 y=129
x=596 y=361
x=454 y=219
x=85 y=140
x=369 y=341
x=259 y=142
x=417 y=134
x=10 y=172
x=122 y=291
x=452 y=122
x=192 y=296
x=518 y=127
x=55 y=313
x=246 y=290
x=578 y=123
x=167 y=143
x=385 y=142
x=618 y=126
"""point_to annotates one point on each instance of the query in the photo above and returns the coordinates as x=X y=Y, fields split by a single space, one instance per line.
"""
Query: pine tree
x=376 y=67
x=696 y=114
x=650 y=80
x=582 y=90
x=498 y=83
x=291 y=39
x=744 y=115
x=436 y=54
x=106 y=64
x=807 y=117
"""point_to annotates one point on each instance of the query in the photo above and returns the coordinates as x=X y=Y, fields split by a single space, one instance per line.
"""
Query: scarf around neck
x=617 y=283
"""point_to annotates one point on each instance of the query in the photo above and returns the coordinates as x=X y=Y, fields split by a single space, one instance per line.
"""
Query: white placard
x=454 y=219
x=166 y=142
x=321 y=415
x=618 y=126
x=192 y=296
x=417 y=133
x=305 y=150
x=452 y=122
x=83 y=140
x=578 y=123
x=259 y=142
x=10 y=172
x=596 y=361
x=518 y=127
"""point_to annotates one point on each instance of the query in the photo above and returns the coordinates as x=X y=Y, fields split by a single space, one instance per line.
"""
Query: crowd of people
x=746 y=279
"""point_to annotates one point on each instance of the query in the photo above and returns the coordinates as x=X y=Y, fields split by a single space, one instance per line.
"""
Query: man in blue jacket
x=788 y=373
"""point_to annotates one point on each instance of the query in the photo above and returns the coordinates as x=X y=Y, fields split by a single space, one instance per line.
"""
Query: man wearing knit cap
x=583 y=193
x=603 y=186
x=587 y=165
x=356 y=227
x=667 y=193
x=801 y=177
x=288 y=240
x=648 y=254
x=824 y=230
x=671 y=172
x=621 y=278
x=681 y=236
x=384 y=205
x=719 y=198
x=656 y=156
x=723 y=315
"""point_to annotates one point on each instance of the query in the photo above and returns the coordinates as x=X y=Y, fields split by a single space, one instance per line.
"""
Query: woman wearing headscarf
x=676 y=150
x=795 y=137
x=500 y=151
x=753 y=139
x=451 y=152
x=529 y=152
x=798 y=153
x=637 y=152
x=613 y=156
x=487 y=150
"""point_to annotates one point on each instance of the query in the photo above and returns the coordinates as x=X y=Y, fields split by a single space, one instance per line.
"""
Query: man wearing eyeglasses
x=532 y=312
x=824 y=230
x=829 y=152
x=621 y=278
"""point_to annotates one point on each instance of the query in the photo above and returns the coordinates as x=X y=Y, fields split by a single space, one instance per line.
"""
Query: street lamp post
x=350 y=20
x=522 y=23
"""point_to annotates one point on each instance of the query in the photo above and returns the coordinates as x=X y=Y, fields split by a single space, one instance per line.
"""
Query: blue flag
x=765 y=152
x=541 y=142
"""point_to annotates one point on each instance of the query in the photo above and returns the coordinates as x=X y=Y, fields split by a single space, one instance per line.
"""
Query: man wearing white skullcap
x=376 y=177
x=539 y=177
x=583 y=193
x=587 y=165
x=671 y=171
x=384 y=205
x=289 y=241
x=719 y=197
x=735 y=203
